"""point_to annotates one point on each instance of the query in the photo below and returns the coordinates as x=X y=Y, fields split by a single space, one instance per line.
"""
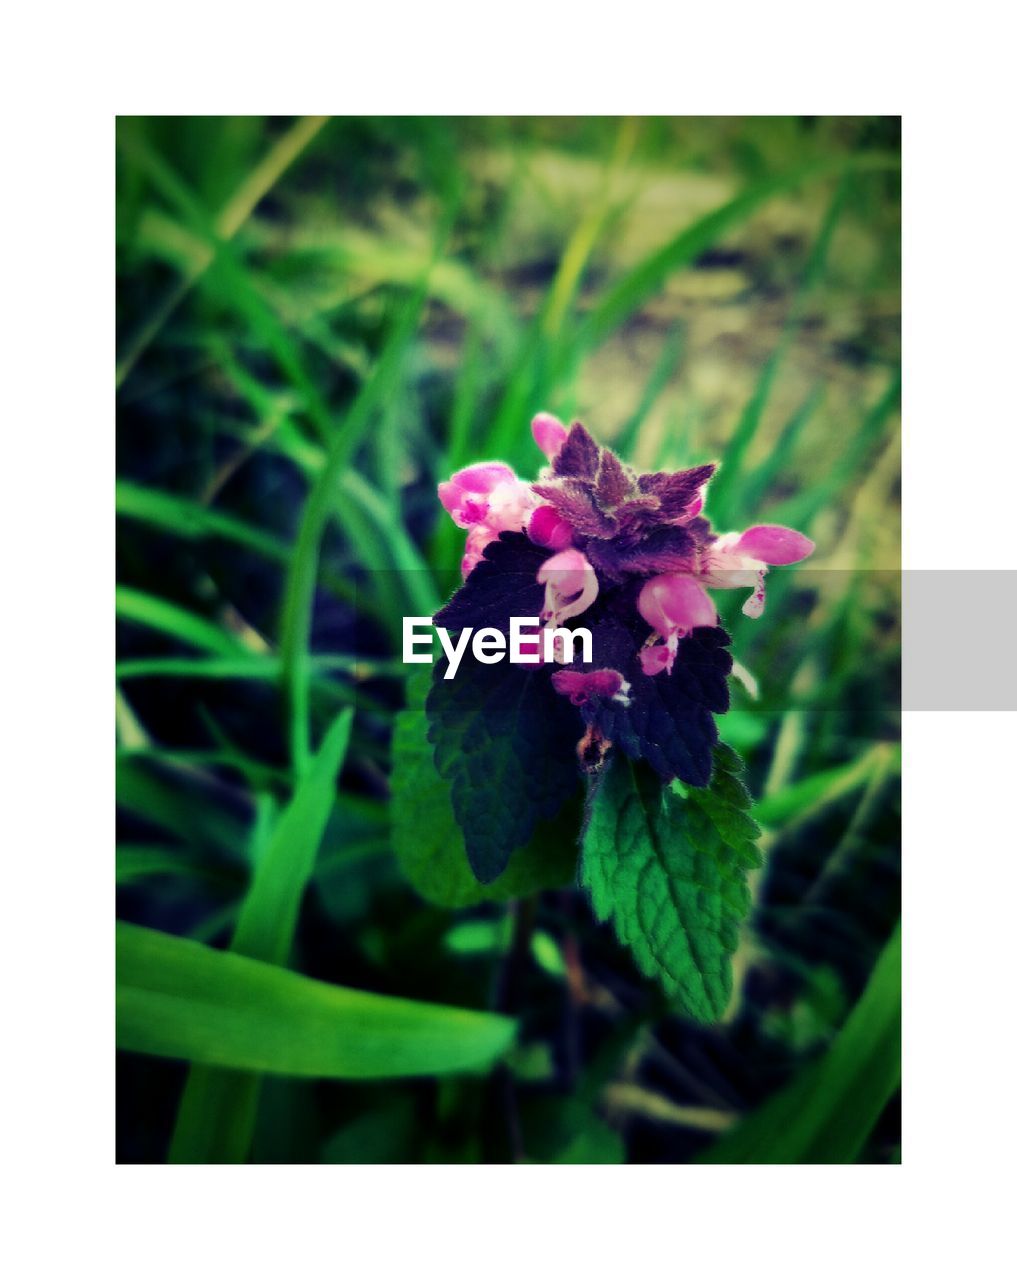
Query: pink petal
x=451 y=498
x=754 y=605
x=580 y=686
x=674 y=603
x=509 y=505
x=482 y=476
x=465 y=495
x=655 y=659
x=773 y=544
x=476 y=540
x=547 y=529
x=570 y=585
x=549 y=433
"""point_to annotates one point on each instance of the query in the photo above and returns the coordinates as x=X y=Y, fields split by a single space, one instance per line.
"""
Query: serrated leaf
x=668 y=721
x=428 y=842
x=502 y=586
x=668 y=869
x=507 y=743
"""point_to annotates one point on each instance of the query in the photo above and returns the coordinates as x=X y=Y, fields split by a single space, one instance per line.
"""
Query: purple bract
x=607 y=525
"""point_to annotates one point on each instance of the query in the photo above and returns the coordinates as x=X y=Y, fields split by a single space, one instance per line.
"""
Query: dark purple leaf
x=506 y=742
x=502 y=586
x=669 y=720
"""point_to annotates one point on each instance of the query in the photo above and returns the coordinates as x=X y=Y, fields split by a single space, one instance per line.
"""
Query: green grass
x=318 y=320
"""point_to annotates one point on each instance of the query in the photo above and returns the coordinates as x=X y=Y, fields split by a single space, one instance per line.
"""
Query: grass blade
x=320 y=504
x=191 y=520
x=251 y=666
x=231 y=218
x=629 y=294
x=861 y=446
x=218 y=1109
x=625 y=442
x=728 y=481
x=160 y=615
x=800 y=800
x=178 y=999
x=269 y=914
x=828 y=1112
x=188 y=813
x=138 y=862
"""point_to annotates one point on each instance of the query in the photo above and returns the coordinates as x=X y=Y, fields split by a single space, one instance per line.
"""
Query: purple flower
x=476 y=540
x=630 y=550
x=488 y=499
x=489 y=495
x=673 y=604
x=580 y=686
x=741 y=560
x=570 y=586
x=466 y=496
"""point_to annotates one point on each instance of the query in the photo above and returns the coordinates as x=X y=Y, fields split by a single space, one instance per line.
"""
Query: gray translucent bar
x=960 y=635
x=959 y=627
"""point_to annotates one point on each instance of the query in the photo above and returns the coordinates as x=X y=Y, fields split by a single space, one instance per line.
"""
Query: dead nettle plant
x=508 y=774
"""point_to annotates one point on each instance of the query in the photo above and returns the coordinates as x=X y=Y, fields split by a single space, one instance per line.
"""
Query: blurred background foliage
x=319 y=319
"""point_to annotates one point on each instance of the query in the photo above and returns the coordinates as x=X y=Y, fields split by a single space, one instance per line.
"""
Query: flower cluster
x=606 y=527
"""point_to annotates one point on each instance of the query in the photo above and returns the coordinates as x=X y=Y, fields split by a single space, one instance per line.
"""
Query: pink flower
x=741 y=560
x=549 y=433
x=509 y=505
x=547 y=529
x=570 y=586
x=657 y=658
x=476 y=540
x=468 y=494
x=773 y=544
x=581 y=686
x=673 y=604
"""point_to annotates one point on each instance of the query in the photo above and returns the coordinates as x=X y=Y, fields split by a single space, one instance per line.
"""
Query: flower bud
x=547 y=529
x=550 y=434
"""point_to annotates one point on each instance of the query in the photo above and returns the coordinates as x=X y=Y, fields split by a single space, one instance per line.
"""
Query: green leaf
x=427 y=839
x=246 y=666
x=160 y=615
x=319 y=506
x=640 y=283
x=826 y=1115
x=269 y=914
x=668 y=867
x=138 y=862
x=179 y=999
x=800 y=800
x=507 y=744
x=218 y=1109
x=189 y=519
x=170 y=798
x=381 y=1134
